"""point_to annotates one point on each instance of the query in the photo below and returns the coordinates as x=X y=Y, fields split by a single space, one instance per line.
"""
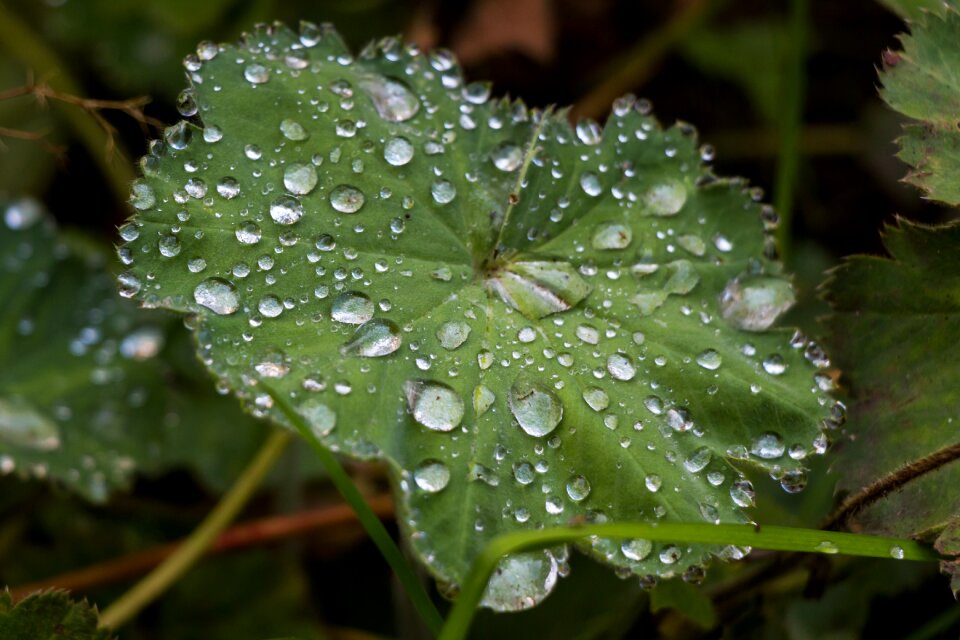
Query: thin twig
x=247 y=534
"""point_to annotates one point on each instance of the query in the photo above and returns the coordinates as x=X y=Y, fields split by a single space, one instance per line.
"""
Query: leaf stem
x=375 y=529
x=775 y=538
x=792 y=123
x=22 y=43
x=180 y=561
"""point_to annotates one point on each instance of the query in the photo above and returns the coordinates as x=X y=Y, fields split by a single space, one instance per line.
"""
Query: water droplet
x=300 y=179
x=742 y=493
x=476 y=92
x=768 y=445
x=178 y=136
x=228 y=188
x=590 y=184
x=128 y=284
x=293 y=130
x=828 y=547
x=483 y=399
x=693 y=244
x=754 y=304
x=23 y=426
x=218 y=295
x=774 y=365
x=391 y=98
x=588 y=334
x=709 y=359
x=620 y=367
x=536 y=408
x=431 y=475
x=507 y=157
x=398 y=151
x=589 y=132
x=286 y=210
x=793 y=481
x=612 y=235
x=636 y=549
x=169 y=246
x=653 y=404
x=896 y=552
x=24 y=213
x=321 y=418
x=352 y=307
x=270 y=306
x=596 y=398
x=256 y=73
x=248 y=232
x=578 y=488
x=443 y=191
x=653 y=482
x=697 y=460
x=346 y=199
x=374 y=339
x=521 y=581
x=666 y=199
x=142 y=344
x=679 y=419
x=141 y=195
x=670 y=554
x=433 y=404
x=453 y=334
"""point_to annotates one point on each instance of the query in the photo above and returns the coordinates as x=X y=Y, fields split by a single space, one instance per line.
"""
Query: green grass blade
x=371 y=523
x=773 y=538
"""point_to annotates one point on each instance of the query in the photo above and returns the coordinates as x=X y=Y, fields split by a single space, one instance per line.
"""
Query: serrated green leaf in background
x=913 y=10
x=531 y=323
x=922 y=83
x=894 y=333
x=86 y=399
x=49 y=616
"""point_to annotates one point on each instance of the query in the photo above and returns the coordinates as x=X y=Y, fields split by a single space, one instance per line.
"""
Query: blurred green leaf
x=894 y=333
x=921 y=82
x=685 y=598
x=531 y=323
x=915 y=10
x=49 y=616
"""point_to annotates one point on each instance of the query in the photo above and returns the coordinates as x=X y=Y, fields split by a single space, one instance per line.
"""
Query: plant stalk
x=179 y=562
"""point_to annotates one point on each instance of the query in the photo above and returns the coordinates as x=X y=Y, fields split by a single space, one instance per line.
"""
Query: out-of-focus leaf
x=685 y=598
x=922 y=83
x=915 y=10
x=49 y=616
x=529 y=322
x=85 y=397
x=894 y=331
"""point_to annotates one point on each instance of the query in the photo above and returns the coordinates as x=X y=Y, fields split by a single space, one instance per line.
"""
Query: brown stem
x=891 y=482
x=247 y=534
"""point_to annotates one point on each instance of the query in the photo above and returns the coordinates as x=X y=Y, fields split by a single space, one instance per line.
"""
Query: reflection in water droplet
x=507 y=157
x=578 y=488
x=590 y=184
x=774 y=364
x=270 y=306
x=697 y=460
x=709 y=359
x=248 y=232
x=431 y=475
x=521 y=581
x=218 y=295
x=352 y=307
x=433 y=404
x=285 y=210
x=299 y=179
x=589 y=132
x=346 y=199
x=612 y=235
x=398 y=151
x=768 y=445
x=391 y=98
x=742 y=493
x=636 y=549
x=536 y=408
x=374 y=339
x=443 y=191
x=256 y=73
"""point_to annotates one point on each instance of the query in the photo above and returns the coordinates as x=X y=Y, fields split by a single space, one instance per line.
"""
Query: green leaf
x=88 y=391
x=50 y=615
x=921 y=82
x=532 y=324
x=914 y=10
x=685 y=598
x=894 y=328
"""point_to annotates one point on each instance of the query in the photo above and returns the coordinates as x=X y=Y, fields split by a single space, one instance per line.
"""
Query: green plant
x=553 y=335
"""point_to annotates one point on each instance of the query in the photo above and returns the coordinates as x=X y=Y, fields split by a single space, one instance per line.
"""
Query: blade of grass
x=774 y=538
x=375 y=529
x=179 y=562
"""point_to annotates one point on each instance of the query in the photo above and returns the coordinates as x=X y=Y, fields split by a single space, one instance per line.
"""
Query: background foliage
x=725 y=67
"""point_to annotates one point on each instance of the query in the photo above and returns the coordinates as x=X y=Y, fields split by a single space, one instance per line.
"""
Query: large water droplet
x=218 y=295
x=578 y=488
x=398 y=151
x=697 y=460
x=352 y=307
x=507 y=157
x=270 y=306
x=612 y=235
x=256 y=73
x=141 y=195
x=431 y=475
x=433 y=404
x=768 y=445
x=636 y=549
x=391 y=98
x=374 y=339
x=248 y=232
x=452 y=334
x=754 y=304
x=709 y=359
x=443 y=191
x=590 y=184
x=536 y=408
x=300 y=178
x=620 y=367
x=521 y=581
x=346 y=199
x=483 y=399
x=286 y=210
x=596 y=398
x=666 y=199
x=774 y=364
x=589 y=131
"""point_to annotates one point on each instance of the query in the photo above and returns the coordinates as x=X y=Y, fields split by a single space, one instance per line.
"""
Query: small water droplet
x=754 y=304
x=433 y=404
x=141 y=195
x=299 y=178
x=270 y=306
x=507 y=157
x=620 y=367
x=218 y=295
x=578 y=488
x=768 y=445
x=596 y=398
x=431 y=475
x=828 y=547
x=483 y=399
x=589 y=132
x=742 y=493
x=398 y=151
x=709 y=359
x=697 y=460
x=248 y=232
x=256 y=73
x=521 y=581
x=286 y=210
x=896 y=552
x=452 y=334
x=346 y=199
x=590 y=184
x=443 y=191
x=293 y=130
x=774 y=365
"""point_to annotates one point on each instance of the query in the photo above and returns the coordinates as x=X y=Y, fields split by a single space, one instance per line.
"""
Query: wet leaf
x=532 y=323
x=87 y=396
x=49 y=615
x=894 y=328
x=920 y=82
